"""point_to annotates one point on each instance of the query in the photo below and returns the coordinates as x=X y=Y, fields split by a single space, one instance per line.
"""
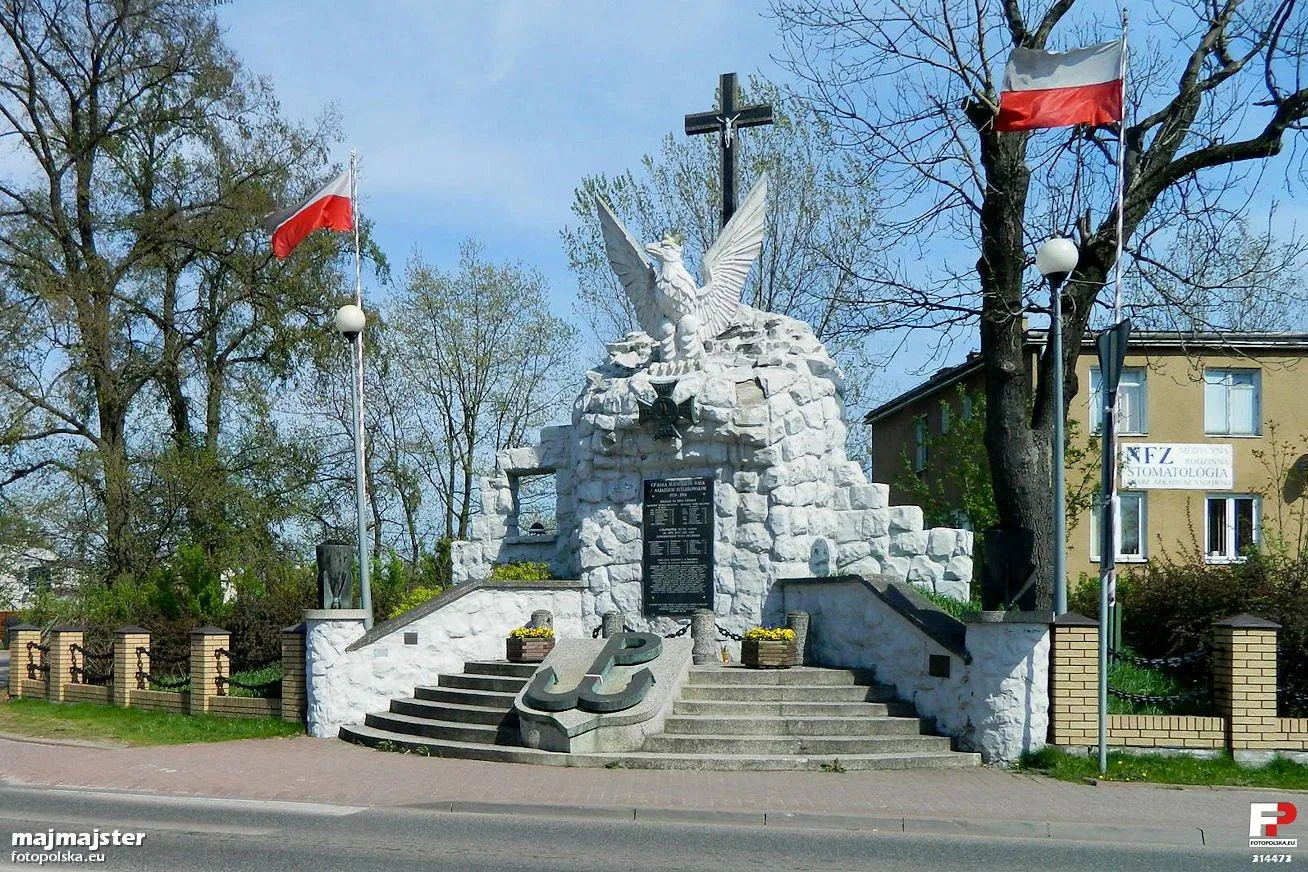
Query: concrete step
x=806 y=675
x=449 y=711
x=497 y=683
x=700 y=725
x=777 y=708
x=373 y=737
x=485 y=698
x=753 y=746
x=500 y=667
x=504 y=734
x=788 y=693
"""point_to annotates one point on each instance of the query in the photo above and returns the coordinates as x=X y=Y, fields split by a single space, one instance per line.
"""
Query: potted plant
x=768 y=648
x=529 y=644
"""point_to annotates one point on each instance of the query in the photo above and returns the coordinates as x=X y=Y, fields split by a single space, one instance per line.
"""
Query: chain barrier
x=36 y=666
x=82 y=674
x=683 y=631
x=146 y=679
x=1160 y=662
x=1146 y=699
x=263 y=688
x=735 y=637
x=594 y=634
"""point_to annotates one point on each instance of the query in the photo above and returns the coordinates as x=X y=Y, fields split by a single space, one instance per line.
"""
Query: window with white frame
x=1130 y=527
x=1131 y=405
x=919 y=443
x=1230 y=526
x=1231 y=402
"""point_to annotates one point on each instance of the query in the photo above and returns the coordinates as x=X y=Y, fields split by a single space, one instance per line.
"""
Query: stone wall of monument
x=764 y=421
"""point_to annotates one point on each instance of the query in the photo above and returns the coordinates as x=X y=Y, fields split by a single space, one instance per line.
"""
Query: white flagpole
x=1121 y=181
x=1110 y=519
x=360 y=465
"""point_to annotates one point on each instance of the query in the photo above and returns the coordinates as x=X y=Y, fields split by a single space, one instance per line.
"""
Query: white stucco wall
x=997 y=704
x=343 y=685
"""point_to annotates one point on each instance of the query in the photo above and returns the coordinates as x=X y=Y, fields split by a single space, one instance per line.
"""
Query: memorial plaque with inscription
x=678 y=547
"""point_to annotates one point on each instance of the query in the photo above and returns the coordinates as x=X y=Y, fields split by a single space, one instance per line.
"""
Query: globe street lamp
x=1056 y=259
x=350 y=322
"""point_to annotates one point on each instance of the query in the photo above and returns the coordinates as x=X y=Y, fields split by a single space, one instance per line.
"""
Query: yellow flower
x=531 y=633
x=771 y=634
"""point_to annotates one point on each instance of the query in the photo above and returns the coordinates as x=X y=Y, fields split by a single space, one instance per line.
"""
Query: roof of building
x=1148 y=339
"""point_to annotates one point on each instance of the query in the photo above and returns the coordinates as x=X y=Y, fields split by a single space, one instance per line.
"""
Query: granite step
x=777 y=708
x=497 y=683
x=503 y=734
x=486 y=698
x=500 y=667
x=700 y=725
x=449 y=711
x=798 y=675
x=373 y=737
x=668 y=743
x=788 y=693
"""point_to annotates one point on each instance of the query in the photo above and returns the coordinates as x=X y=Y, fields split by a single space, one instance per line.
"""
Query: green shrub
x=524 y=571
x=413 y=599
x=1168 y=608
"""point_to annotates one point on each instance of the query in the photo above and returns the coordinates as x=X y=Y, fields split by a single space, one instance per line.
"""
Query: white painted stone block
x=905 y=519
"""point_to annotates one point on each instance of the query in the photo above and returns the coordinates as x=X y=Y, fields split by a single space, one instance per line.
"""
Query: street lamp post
x=1056 y=259
x=350 y=322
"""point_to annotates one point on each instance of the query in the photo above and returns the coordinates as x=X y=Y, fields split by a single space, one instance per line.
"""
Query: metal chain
x=685 y=628
x=730 y=635
x=1145 y=699
x=165 y=683
x=1159 y=662
x=265 y=686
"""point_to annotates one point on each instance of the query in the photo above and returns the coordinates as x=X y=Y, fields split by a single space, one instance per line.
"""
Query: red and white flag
x=330 y=208
x=1058 y=89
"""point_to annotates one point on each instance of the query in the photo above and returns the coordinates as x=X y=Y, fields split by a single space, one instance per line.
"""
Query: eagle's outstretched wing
x=628 y=261
x=726 y=264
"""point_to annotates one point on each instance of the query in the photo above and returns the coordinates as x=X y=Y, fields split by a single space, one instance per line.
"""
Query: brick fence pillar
x=293 y=699
x=205 y=643
x=127 y=663
x=1244 y=680
x=61 y=660
x=19 y=636
x=1074 y=681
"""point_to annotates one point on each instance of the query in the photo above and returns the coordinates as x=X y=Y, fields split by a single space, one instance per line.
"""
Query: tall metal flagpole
x=356 y=384
x=1108 y=475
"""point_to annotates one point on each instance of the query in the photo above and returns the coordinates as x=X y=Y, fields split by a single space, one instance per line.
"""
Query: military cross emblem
x=666 y=413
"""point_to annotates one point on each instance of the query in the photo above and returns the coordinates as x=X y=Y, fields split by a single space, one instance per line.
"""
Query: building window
x=1130 y=402
x=967 y=406
x=1131 y=528
x=919 y=443
x=1231 y=402
x=1230 y=527
x=945 y=416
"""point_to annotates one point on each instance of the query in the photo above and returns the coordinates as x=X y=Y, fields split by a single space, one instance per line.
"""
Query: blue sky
x=479 y=119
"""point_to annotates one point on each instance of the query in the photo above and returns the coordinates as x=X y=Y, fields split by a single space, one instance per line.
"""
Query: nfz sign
x=1176 y=466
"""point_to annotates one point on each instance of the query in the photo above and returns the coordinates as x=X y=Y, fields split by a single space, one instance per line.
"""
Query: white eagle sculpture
x=677 y=313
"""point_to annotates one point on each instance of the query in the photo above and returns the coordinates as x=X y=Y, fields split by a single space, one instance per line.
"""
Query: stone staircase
x=727 y=718
x=464 y=715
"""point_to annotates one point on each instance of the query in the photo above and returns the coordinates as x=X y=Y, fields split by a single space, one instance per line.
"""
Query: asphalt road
x=4 y=668
x=201 y=834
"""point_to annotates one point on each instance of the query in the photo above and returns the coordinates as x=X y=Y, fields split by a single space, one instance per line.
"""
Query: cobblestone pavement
x=332 y=771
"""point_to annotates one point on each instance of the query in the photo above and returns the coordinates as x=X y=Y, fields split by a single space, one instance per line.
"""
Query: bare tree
x=911 y=87
x=134 y=268
x=482 y=356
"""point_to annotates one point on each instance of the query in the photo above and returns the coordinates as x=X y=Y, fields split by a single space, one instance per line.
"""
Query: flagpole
x=1108 y=475
x=356 y=383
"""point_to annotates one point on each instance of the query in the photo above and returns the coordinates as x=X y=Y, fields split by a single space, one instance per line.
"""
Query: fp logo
x=1265 y=821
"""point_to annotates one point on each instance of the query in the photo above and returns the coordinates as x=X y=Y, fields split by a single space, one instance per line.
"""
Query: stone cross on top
x=724 y=122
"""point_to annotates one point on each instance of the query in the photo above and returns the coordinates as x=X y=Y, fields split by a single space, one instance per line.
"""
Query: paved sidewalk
x=983 y=800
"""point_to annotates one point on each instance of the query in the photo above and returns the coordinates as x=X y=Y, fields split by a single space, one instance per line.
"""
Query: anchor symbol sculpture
x=622 y=649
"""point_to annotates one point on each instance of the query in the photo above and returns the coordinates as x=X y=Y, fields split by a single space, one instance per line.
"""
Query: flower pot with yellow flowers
x=768 y=648
x=529 y=644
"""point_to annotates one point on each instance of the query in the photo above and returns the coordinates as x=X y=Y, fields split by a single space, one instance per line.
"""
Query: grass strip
x=1161 y=769
x=81 y=720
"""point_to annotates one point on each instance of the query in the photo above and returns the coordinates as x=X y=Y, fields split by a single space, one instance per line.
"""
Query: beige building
x=1213 y=432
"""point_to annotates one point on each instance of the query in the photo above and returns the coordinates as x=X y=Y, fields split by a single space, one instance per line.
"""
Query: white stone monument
x=708 y=389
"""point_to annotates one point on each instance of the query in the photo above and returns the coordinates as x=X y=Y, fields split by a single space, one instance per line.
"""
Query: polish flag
x=329 y=208
x=1058 y=89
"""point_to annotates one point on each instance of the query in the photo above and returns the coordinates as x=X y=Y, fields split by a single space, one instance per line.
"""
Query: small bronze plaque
x=938 y=665
x=410 y=638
